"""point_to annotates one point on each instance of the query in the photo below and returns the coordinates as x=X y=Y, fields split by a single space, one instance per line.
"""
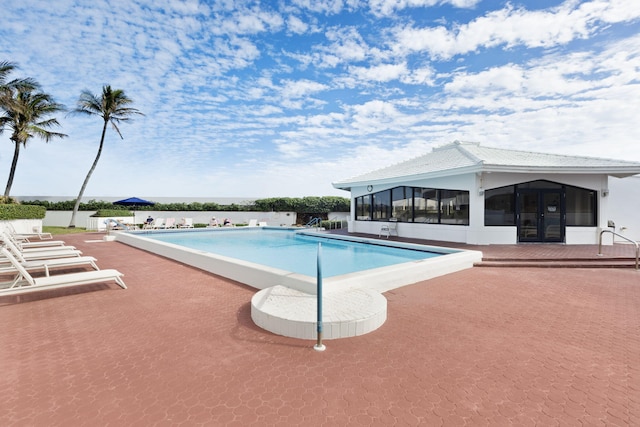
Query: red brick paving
x=485 y=346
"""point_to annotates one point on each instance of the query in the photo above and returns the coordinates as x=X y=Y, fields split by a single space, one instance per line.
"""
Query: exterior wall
x=449 y=233
x=83 y=218
x=624 y=207
x=476 y=233
x=24 y=226
x=584 y=236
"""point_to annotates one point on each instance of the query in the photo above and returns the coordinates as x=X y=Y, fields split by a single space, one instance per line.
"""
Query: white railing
x=621 y=236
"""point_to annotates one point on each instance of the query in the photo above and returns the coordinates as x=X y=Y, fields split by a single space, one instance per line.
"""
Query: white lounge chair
x=40 y=235
x=44 y=253
x=46 y=264
x=43 y=248
x=253 y=223
x=26 y=283
x=262 y=224
x=390 y=228
x=170 y=223
x=187 y=223
x=25 y=243
x=158 y=223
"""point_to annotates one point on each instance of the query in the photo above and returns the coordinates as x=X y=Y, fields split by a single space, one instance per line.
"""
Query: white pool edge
x=283 y=304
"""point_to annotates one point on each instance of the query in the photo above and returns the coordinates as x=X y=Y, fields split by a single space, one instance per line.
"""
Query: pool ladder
x=315 y=222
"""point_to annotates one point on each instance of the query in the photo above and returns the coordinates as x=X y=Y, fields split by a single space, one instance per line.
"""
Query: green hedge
x=11 y=211
x=106 y=213
x=311 y=205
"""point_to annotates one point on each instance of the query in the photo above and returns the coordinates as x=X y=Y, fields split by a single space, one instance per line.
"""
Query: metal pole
x=319 y=346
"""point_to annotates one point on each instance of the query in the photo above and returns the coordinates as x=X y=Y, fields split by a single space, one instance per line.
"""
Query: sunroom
x=463 y=192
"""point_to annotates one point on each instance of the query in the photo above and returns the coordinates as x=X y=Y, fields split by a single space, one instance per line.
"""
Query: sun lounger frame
x=27 y=283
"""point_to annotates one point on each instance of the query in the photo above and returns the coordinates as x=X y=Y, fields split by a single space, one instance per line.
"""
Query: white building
x=463 y=192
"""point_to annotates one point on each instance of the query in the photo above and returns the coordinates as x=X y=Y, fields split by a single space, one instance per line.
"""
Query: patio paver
x=484 y=346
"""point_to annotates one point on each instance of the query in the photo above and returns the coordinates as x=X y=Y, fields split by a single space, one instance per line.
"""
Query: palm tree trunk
x=72 y=223
x=12 y=171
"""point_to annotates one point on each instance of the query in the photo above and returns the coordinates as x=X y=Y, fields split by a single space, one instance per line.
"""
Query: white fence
x=84 y=219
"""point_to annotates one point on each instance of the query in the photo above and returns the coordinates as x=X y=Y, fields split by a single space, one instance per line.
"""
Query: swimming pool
x=295 y=251
x=284 y=271
x=232 y=253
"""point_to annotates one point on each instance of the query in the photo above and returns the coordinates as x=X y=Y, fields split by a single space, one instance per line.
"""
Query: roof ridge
x=463 y=150
x=540 y=153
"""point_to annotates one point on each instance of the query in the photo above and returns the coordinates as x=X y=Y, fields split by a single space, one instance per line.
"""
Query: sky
x=281 y=98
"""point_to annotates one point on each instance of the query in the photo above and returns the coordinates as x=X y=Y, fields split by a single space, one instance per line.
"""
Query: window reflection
x=415 y=204
x=500 y=205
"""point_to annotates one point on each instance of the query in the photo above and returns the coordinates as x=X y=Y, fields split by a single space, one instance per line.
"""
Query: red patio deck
x=485 y=346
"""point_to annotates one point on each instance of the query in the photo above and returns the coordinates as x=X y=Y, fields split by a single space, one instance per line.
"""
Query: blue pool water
x=291 y=251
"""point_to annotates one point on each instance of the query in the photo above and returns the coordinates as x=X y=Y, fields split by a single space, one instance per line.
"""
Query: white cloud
x=511 y=27
x=329 y=7
x=346 y=46
x=243 y=101
x=297 y=25
x=388 y=7
x=379 y=73
x=301 y=88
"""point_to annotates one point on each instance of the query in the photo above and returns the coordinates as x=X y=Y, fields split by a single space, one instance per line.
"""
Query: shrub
x=105 y=213
x=12 y=211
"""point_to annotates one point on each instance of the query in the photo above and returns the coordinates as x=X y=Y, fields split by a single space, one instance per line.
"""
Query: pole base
x=319 y=347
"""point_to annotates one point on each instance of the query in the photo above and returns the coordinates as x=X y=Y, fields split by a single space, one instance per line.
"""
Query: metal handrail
x=623 y=237
x=314 y=222
x=334 y=220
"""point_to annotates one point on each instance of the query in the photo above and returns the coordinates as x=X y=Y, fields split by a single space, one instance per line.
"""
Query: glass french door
x=540 y=215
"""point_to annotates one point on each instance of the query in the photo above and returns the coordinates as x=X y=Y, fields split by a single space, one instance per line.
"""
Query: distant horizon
x=164 y=199
x=282 y=99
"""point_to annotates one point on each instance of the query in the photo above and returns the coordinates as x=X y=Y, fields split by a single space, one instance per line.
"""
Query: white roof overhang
x=616 y=171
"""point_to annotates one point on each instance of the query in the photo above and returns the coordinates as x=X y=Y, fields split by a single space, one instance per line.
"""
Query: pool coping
x=260 y=277
x=272 y=309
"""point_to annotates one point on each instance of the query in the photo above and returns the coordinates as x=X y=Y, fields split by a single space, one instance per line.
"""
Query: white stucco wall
x=22 y=226
x=624 y=206
x=62 y=218
x=620 y=205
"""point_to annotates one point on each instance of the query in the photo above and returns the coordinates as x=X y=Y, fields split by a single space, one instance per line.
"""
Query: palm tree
x=5 y=68
x=6 y=88
x=25 y=113
x=113 y=107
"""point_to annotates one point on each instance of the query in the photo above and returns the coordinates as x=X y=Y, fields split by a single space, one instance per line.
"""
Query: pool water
x=294 y=252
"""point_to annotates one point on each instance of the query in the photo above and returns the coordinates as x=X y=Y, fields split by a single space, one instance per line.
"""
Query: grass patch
x=63 y=230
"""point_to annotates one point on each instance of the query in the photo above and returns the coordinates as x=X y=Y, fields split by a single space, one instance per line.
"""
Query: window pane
x=499 y=206
x=454 y=207
x=363 y=208
x=581 y=207
x=382 y=205
x=426 y=205
x=402 y=204
x=540 y=184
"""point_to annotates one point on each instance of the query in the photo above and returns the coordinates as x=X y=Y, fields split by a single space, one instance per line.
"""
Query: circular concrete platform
x=293 y=313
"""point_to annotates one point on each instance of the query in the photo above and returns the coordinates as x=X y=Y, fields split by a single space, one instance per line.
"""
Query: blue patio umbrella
x=134 y=202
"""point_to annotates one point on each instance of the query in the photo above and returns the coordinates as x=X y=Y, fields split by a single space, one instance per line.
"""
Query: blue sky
x=281 y=98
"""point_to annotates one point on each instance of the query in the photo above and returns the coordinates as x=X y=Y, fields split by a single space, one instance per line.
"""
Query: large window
x=580 y=203
x=454 y=207
x=402 y=204
x=414 y=204
x=500 y=206
x=363 y=208
x=581 y=207
x=382 y=205
x=426 y=205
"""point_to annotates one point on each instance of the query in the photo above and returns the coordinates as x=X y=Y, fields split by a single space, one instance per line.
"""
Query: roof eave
x=618 y=172
x=347 y=185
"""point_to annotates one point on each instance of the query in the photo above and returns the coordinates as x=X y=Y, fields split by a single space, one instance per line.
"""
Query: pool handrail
x=622 y=237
